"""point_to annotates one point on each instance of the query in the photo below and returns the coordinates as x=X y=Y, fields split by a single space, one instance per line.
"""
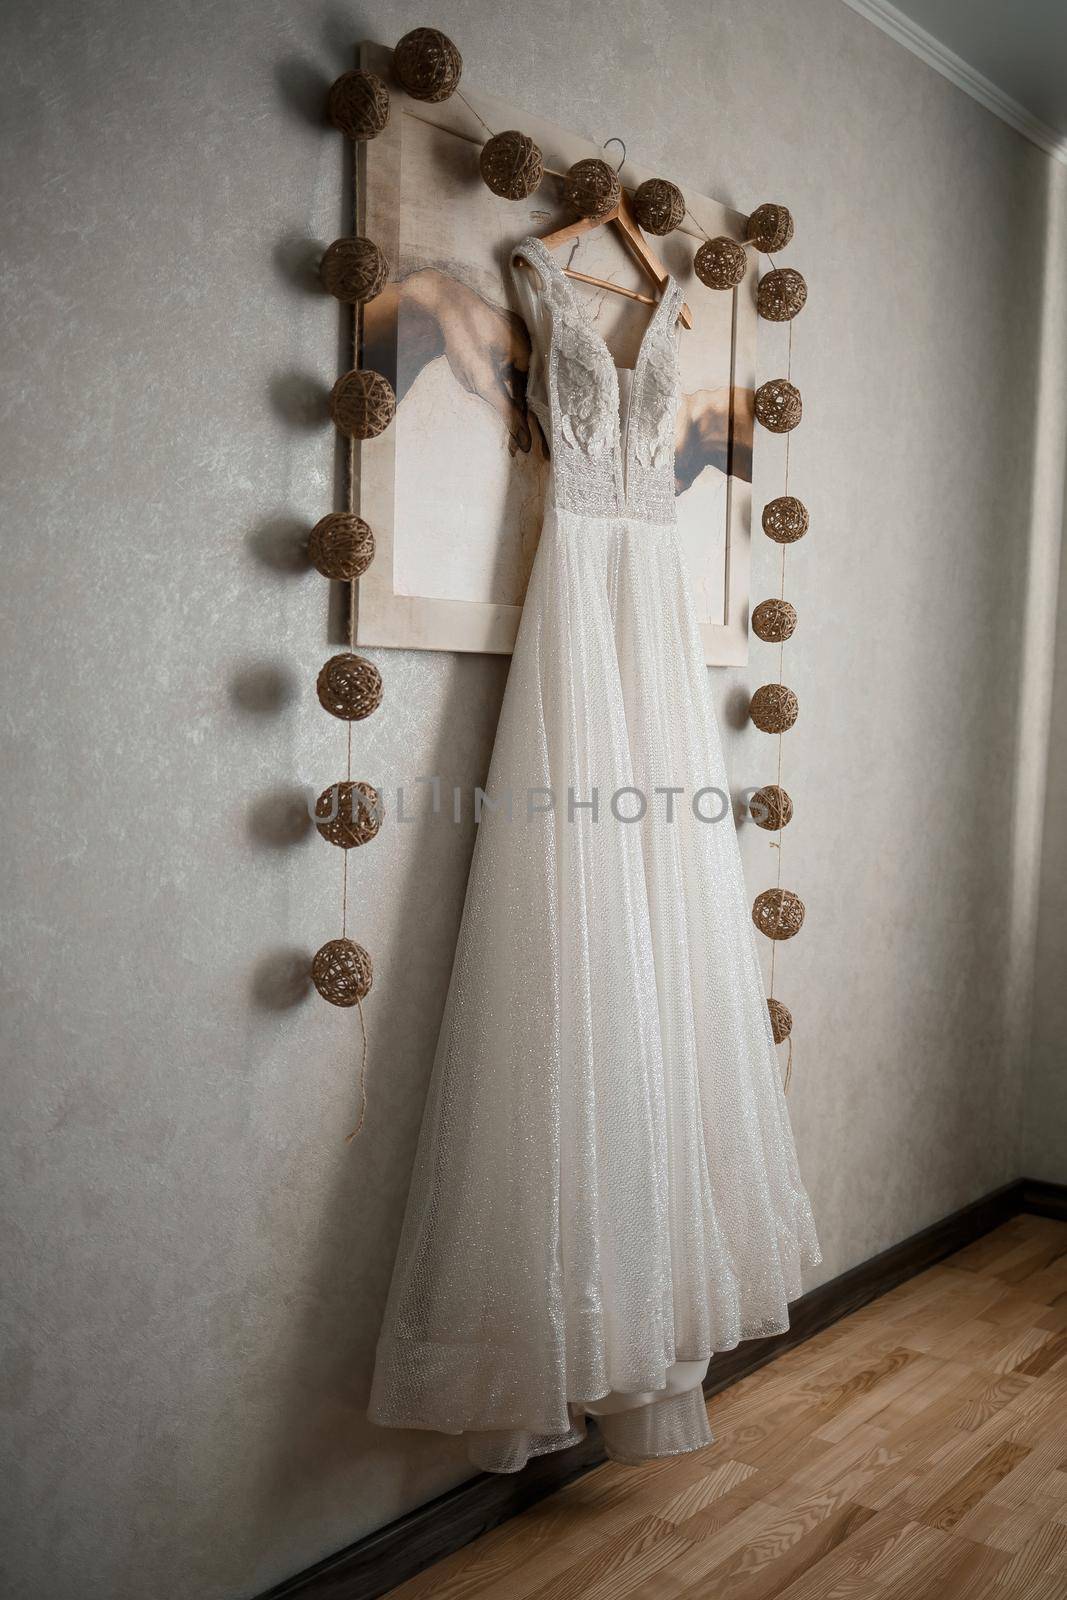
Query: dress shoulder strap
x=533 y=252
x=672 y=293
x=532 y=296
x=546 y=284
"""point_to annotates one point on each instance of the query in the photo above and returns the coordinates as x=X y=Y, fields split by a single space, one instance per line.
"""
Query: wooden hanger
x=638 y=246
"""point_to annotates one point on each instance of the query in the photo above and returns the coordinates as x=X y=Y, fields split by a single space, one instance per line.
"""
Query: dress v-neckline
x=581 y=310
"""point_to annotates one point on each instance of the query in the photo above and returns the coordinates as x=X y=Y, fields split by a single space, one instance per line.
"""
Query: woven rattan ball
x=781 y=295
x=781 y=1020
x=785 y=519
x=427 y=64
x=591 y=188
x=774 y=621
x=359 y=104
x=771 y=808
x=362 y=403
x=354 y=270
x=773 y=708
x=770 y=228
x=342 y=972
x=721 y=263
x=779 y=913
x=511 y=165
x=778 y=405
x=341 y=546
x=659 y=206
x=349 y=687
x=352 y=814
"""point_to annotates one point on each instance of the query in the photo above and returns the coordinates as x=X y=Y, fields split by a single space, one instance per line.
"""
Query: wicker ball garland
x=774 y=621
x=770 y=228
x=349 y=687
x=362 y=403
x=721 y=263
x=351 y=812
x=781 y=1020
x=778 y=405
x=354 y=270
x=342 y=972
x=358 y=104
x=659 y=206
x=591 y=188
x=779 y=913
x=774 y=708
x=427 y=64
x=341 y=546
x=785 y=519
x=781 y=294
x=511 y=165
x=771 y=808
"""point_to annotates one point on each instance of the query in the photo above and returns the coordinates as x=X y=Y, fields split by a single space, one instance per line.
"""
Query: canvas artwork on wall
x=454 y=489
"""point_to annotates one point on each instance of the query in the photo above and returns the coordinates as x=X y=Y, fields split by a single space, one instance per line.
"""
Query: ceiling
x=1010 y=54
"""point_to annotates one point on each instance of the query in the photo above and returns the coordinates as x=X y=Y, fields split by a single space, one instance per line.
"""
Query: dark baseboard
x=1044 y=1199
x=395 y=1553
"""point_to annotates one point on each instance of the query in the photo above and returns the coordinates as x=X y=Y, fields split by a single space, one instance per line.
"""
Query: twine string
x=461 y=96
x=702 y=231
x=350 y=499
x=350 y=506
x=781 y=735
x=789 y=435
x=362 y=1080
x=344 y=853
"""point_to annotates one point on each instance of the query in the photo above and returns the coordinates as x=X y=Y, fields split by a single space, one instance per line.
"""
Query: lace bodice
x=601 y=467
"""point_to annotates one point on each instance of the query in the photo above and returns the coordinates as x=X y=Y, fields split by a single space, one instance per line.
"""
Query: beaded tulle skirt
x=606 y=1191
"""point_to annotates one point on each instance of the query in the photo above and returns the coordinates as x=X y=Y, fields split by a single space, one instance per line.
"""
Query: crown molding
x=951 y=66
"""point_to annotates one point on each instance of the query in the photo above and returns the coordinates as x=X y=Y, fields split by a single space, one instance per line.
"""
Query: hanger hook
x=616 y=140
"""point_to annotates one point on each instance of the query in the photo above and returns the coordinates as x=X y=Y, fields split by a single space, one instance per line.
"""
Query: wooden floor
x=918 y=1447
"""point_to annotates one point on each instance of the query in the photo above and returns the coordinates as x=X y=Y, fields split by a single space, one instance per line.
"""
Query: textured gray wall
x=195 y=1263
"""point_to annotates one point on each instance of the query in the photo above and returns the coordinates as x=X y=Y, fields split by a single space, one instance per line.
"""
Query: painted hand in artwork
x=486 y=346
x=714 y=429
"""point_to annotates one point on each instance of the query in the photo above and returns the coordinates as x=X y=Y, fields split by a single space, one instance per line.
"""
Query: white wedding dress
x=606 y=1190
